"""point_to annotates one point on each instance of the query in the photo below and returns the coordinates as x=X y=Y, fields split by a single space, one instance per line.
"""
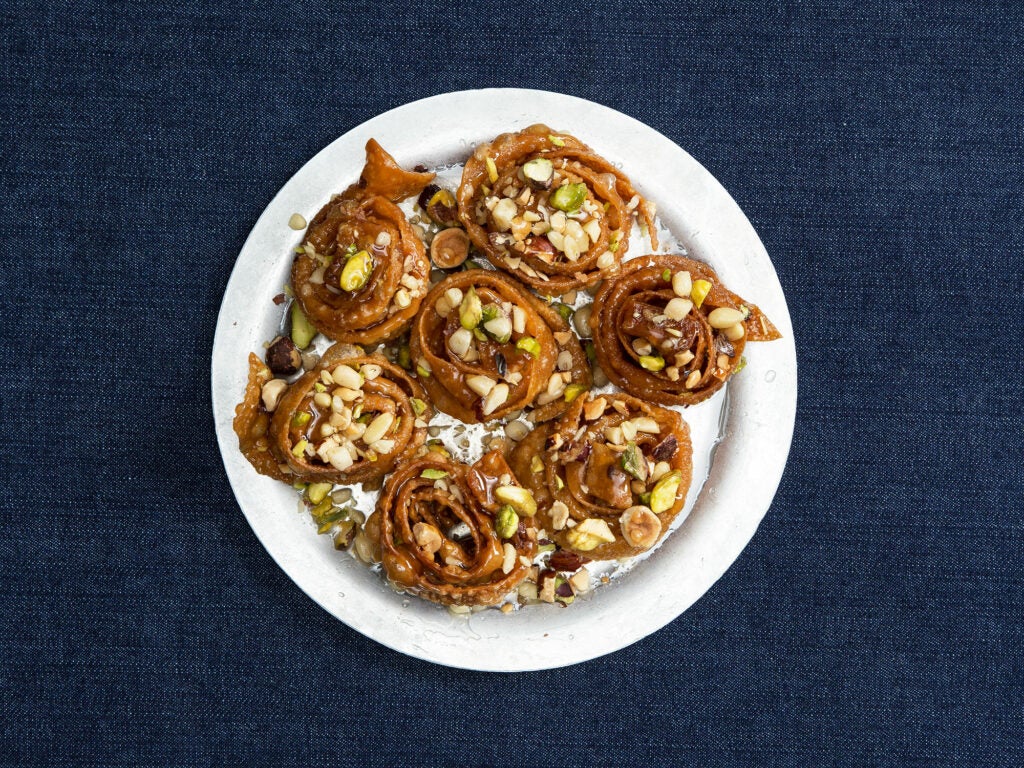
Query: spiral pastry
x=449 y=534
x=483 y=346
x=609 y=477
x=362 y=271
x=252 y=423
x=350 y=420
x=543 y=207
x=668 y=331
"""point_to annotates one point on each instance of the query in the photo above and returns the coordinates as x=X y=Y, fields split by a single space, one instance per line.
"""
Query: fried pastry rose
x=252 y=420
x=350 y=420
x=362 y=271
x=483 y=346
x=546 y=209
x=456 y=534
x=668 y=331
x=609 y=477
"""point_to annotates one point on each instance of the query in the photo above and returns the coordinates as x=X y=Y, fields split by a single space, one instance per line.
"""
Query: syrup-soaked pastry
x=349 y=420
x=455 y=534
x=362 y=271
x=484 y=346
x=668 y=331
x=608 y=477
x=544 y=207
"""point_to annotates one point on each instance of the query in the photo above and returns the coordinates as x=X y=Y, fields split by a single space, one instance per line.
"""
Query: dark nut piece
x=449 y=248
x=666 y=449
x=283 y=357
x=566 y=561
x=439 y=204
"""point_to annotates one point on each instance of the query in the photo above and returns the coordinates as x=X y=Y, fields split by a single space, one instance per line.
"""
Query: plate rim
x=479 y=661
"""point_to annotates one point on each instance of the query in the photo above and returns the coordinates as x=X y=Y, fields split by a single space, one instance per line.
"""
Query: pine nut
x=735 y=332
x=482 y=385
x=724 y=317
x=682 y=284
x=494 y=399
x=678 y=308
x=345 y=376
x=378 y=428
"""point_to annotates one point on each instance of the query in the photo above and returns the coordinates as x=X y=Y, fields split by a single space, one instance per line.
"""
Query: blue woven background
x=875 y=619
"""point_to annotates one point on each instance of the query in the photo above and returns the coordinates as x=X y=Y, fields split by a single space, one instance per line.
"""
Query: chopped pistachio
x=546 y=548
x=422 y=371
x=470 y=310
x=536 y=464
x=591 y=350
x=302 y=330
x=740 y=365
x=507 y=522
x=590 y=534
x=652 y=362
x=301 y=419
x=433 y=474
x=573 y=391
x=520 y=499
x=633 y=462
x=317 y=491
x=320 y=387
x=492 y=170
x=667 y=275
x=489 y=312
x=299 y=448
x=404 y=358
x=559 y=482
x=569 y=197
x=529 y=345
x=663 y=495
x=418 y=406
x=357 y=271
x=564 y=310
x=558 y=141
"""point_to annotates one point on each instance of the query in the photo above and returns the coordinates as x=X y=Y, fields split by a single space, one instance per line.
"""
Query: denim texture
x=874 y=620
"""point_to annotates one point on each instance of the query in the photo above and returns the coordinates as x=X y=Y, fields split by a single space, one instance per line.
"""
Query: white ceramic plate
x=746 y=458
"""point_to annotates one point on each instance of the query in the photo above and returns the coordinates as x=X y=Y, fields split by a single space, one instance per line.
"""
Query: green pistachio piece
x=529 y=345
x=433 y=474
x=740 y=365
x=470 y=310
x=652 y=362
x=357 y=271
x=301 y=419
x=299 y=449
x=663 y=495
x=569 y=197
x=507 y=522
x=302 y=330
x=633 y=462
x=520 y=499
x=667 y=275
x=318 y=491
x=418 y=406
x=573 y=391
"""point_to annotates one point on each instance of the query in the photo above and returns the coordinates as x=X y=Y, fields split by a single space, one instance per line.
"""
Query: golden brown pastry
x=349 y=420
x=362 y=272
x=667 y=330
x=543 y=207
x=483 y=346
x=609 y=477
x=451 y=533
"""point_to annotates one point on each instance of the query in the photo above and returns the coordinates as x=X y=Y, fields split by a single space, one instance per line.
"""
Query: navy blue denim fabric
x=875 y=619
